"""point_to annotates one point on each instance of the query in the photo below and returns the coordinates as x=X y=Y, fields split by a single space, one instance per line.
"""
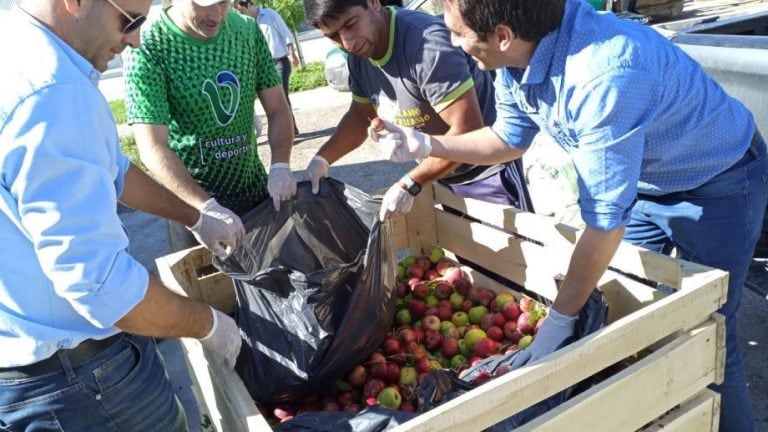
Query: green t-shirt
x=204 y=92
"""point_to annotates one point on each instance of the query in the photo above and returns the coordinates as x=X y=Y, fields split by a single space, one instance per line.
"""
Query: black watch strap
x=411 y=185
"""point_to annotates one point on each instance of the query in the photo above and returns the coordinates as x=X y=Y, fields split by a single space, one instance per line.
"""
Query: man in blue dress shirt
x=77 y=313
x=665 y=158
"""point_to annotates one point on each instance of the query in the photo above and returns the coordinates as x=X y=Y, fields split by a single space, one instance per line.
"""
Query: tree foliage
x=292 y=11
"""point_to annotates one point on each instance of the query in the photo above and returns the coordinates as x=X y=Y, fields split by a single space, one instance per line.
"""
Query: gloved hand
x=317 y=169
x=396 y=201
x=281 y=184
x=218 y=229
x=555 y=330
x=223 y=338
x=399 y=143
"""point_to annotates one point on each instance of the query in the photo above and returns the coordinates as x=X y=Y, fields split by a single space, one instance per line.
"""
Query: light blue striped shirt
x=636 y=114
x=65 y=274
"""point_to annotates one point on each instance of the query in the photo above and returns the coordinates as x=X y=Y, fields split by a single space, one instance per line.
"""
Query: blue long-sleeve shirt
x=65 y=274
x=636 y=114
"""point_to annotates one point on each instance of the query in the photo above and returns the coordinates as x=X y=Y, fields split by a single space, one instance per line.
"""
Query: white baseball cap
x=206 y=3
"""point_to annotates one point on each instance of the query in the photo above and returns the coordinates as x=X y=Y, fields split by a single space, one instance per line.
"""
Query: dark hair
x=398 y=3
x=317 y=11
x=531 y=20
x=244 y=3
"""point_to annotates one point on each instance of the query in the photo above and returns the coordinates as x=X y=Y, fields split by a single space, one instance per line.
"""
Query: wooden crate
x=679 y=332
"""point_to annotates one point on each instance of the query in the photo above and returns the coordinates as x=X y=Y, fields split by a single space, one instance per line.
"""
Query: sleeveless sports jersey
x=204 y=92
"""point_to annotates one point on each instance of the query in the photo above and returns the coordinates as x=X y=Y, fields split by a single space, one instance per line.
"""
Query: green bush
x=118 y=110
x=128 y=147
x=311 y=76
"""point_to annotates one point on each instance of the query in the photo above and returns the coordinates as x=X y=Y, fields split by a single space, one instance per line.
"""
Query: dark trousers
x=283 y=66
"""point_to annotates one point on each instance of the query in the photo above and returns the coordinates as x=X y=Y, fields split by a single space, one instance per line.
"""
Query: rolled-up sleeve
x=610 y=117
x=66 y=172
x=512 y=124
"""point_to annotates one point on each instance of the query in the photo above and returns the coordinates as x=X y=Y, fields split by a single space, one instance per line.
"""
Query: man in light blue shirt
x=665 y=158
x=77 y=312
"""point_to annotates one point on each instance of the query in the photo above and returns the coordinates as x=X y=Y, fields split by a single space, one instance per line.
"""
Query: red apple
x=357 y=376
x=495 y=333
x=372 y=387
x=415 y=272
x=431 y=322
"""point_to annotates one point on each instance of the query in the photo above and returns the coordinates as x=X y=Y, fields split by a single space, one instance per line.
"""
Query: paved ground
x=317 y=113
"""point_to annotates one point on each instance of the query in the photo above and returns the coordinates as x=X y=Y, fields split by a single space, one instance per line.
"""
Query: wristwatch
x=411 y=186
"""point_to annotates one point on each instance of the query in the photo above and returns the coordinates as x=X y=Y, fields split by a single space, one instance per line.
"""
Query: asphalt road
x=317 y=112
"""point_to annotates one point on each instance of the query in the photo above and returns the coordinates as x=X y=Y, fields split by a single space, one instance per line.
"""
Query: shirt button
x=98 y=397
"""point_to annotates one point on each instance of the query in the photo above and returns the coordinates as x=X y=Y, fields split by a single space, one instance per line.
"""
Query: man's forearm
x=144 y=193
x=163 y=313
x=431 y=169
x=349 y=135
x=479 y=147
x=280 y=134
x=590 y=259
x=165 y=166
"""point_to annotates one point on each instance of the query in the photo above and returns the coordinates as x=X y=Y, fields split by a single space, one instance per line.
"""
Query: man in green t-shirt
x=191 y=89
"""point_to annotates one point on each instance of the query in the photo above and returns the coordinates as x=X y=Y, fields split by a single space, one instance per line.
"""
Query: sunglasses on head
x=132 y=22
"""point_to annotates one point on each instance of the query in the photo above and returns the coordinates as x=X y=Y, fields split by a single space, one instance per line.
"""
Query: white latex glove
x=224 y=338
x=281 y=183
x=399 y=143
x=396 y=201
x=317 y=169
x=555 y=330
x=218 y=229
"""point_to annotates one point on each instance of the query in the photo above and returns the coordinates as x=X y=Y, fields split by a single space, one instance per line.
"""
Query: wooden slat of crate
x=515 y=391
x=220 y=393
x=629 y=258
x=700 y=413
x=181 y=272
x=676 y=372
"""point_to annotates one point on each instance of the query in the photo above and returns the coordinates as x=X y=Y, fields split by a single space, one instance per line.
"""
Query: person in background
x=78 y=314
x=279 y=40
x=403 y=68
x=665 y=158
x=191 y=89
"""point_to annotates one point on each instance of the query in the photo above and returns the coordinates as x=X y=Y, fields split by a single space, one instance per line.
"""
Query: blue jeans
x=122 y=388
x=716 y=224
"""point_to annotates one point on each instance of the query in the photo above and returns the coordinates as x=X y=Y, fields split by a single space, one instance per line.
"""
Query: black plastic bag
x=315 y=290
x=371 y=419
x=441 y=386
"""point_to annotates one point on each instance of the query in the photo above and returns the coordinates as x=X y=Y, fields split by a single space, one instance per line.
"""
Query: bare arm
x=590 y=259
x=479 y=147
x=463 y=115
x=280 y=123
x=163 y=313
x=350 y=134
x=164 y=165
x=294 y=57
x=144 y=193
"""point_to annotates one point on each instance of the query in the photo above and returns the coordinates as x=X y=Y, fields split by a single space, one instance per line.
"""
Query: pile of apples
x=442 y=321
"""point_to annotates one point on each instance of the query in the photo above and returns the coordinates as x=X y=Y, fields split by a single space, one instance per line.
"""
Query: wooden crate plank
x=181 y=272
x=518 y=389
x=699 y=414
x=673 y=374
x=628 y=258
x=420 y=224
x=220 y=393
x=498 y=252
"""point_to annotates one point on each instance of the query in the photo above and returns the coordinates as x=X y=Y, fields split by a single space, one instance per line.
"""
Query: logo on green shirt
x=225 y=80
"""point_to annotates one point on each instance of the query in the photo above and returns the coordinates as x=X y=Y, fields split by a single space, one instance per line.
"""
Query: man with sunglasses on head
x=78 y=314
x=402 y=67
x=190 y=93
x=279 y=40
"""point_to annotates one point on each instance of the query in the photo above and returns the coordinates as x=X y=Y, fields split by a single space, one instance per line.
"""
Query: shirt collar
x=544 y=54
x=80 y=62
